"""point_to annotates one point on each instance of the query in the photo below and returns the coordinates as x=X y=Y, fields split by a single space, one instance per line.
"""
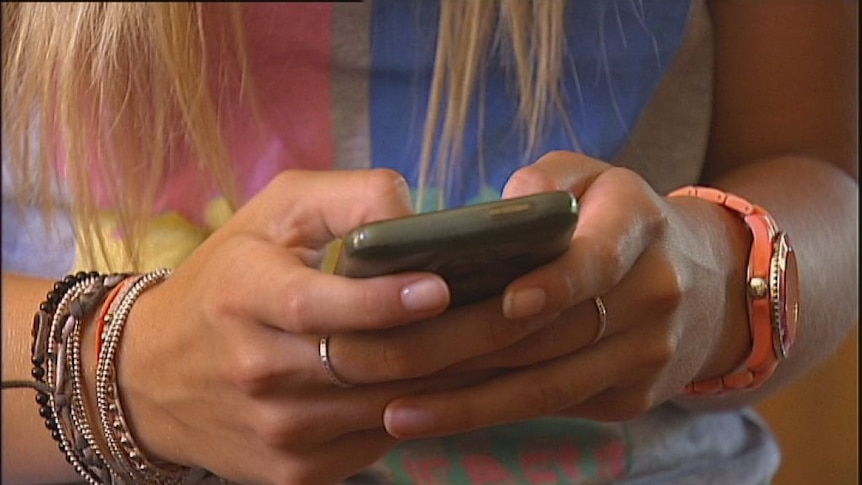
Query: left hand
x=665 y=269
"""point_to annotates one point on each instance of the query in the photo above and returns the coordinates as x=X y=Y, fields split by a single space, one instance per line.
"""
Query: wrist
x=771 y=291
x=728 y=242
x=140 y=367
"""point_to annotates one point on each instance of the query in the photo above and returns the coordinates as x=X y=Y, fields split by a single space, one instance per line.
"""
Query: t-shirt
x=344 y=85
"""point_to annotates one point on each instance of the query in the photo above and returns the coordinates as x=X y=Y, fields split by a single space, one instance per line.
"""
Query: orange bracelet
x=772 y=290
x=109 y=306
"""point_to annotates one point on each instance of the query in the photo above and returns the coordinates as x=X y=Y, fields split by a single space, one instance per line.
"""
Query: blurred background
x=816 y=421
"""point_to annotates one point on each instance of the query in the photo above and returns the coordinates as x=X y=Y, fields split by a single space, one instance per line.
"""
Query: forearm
x=817 y=205
x=29 y=453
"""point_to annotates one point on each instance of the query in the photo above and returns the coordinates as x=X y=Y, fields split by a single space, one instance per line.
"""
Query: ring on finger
x=327 y=363
x=603 y=319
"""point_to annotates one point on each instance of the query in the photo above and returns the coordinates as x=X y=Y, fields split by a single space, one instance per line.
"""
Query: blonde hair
x=117 y=90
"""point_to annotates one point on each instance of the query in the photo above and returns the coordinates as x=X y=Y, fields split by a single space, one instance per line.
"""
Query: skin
x=247 y=398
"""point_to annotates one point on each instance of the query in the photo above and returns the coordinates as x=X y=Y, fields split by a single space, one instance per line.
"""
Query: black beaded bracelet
x=40 y=348
x=55 y=356
x=72 y=301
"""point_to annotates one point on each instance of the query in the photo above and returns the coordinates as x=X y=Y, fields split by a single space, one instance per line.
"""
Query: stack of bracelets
x=56 y=358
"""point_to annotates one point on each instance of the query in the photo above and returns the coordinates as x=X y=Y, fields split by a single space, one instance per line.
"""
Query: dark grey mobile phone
x=477 y=249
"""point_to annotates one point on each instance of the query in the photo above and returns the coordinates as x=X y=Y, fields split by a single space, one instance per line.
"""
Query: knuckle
x=297 y=309
x=668 y=289
x=657 y=223
x=217 y=306
x=218 y=303
x=385 y=182
x=650 y=207
x=607 y=256
x=629 y=179
x=220 y=298
x=566 y=156
x=250 y=371
x=271 y=433
x=660 y=352
x=285 y=179
x=276 y=428
x=532 y=177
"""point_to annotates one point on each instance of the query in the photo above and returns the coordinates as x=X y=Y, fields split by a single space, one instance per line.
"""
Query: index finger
x=616 y=223
x=277 y=288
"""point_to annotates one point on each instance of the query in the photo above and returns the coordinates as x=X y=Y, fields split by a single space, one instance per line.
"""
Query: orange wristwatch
x=772 y=291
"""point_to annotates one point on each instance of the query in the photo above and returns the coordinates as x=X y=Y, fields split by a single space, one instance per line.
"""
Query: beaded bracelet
x=41 y=354
x=56 y=324
x=80 y=416
x=125 y=452
x=122 y=463
x=56 y=359
x=109 y=306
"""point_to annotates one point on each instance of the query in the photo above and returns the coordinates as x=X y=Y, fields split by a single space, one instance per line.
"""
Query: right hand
x=219 y=366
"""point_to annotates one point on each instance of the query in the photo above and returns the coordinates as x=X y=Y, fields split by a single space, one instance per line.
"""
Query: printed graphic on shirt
x=546 y=451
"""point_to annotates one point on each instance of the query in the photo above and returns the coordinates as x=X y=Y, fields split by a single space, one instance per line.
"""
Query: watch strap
x=762 y=359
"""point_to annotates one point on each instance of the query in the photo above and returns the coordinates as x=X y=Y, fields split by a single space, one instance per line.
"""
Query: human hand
x=219 y=366
x=665 y=278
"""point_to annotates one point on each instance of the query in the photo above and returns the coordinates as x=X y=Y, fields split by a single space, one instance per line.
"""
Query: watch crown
x=757 y=287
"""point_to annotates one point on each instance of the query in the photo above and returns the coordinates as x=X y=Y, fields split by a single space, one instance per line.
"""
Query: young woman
x=232 y=143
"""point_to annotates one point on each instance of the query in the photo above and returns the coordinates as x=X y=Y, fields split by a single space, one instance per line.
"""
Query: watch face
x=785 y=294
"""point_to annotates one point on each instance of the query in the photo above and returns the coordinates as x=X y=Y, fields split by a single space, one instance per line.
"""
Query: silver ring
x=603 y=319
x=327 y=364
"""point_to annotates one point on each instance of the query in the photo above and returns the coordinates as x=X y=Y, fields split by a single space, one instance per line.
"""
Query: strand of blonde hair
x=121 y=89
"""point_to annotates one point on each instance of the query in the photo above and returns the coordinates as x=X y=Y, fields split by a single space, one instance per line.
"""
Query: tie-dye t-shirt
x=344 y=85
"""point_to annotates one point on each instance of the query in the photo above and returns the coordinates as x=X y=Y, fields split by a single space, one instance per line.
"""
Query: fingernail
x=425 y=294
x=406 y=421
x=524 y=303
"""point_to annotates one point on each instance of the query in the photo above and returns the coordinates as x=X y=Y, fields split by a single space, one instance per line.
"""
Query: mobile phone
x=477 y=249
